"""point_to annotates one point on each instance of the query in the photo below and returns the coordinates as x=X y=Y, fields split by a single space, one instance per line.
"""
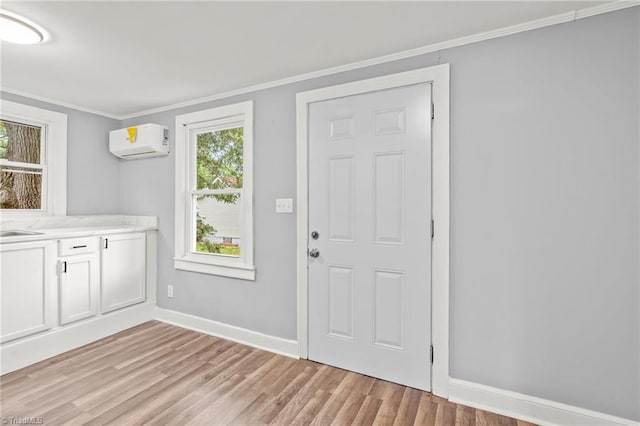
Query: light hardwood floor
x=160 y=374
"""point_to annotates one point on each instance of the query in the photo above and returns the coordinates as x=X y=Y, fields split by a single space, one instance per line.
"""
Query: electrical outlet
x=284 y=205
x=169 y=291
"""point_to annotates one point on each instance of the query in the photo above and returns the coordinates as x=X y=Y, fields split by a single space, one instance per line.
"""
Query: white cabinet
x=61 y=288
x=123 y=266
x=28 y=273
x=79 y=279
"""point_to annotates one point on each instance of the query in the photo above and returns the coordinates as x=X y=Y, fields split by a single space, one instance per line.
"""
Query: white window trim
x=236 y=267
x=54 y=126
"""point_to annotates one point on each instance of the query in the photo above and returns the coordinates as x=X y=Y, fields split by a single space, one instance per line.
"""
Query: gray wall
x=544 y=202
x=544 y=190
x=545 y=194
x=92 y=172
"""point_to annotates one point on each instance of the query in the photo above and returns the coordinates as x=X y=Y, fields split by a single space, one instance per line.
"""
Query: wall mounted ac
x=144 y=141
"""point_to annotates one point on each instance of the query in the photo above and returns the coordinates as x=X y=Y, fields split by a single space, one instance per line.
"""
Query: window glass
x=219 y=159
x=21 y=171
x=218 y=224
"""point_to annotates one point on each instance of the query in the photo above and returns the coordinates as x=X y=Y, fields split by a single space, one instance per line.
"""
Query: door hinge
x=431 y=354
x=433 y=111
x=433 y=229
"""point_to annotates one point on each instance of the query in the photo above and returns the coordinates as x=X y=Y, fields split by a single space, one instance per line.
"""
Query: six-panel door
x=370 y=204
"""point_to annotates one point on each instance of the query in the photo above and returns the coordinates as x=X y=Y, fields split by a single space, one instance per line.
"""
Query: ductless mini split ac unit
x=144 y=141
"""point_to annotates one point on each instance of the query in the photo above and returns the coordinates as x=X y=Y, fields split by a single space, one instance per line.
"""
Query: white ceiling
x=121 y=58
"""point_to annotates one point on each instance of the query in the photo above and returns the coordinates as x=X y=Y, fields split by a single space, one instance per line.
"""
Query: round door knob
x=314 y=253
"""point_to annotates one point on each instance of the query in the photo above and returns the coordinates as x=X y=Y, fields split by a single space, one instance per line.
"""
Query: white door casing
x=370 y=210
x=438 y=77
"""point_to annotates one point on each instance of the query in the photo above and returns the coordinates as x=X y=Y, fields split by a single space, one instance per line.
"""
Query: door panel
x=370 y=202
x=388 y=310
x=340 y=302
x=389 y=205
x=341 y=186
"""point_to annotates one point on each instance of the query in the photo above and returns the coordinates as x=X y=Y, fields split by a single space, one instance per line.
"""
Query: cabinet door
x=123 y=270
x=79 y=291
x=27 y=275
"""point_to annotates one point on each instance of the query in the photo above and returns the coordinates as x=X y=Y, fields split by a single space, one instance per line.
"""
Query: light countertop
x=76 y=226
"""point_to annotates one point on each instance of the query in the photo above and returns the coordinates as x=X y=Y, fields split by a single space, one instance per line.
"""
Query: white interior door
x=370 y=262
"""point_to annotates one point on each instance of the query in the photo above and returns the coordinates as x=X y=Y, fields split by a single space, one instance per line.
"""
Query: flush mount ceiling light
x=16 y=29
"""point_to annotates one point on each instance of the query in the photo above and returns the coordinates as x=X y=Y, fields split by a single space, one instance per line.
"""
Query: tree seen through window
x=21 y=170
x=219 y=167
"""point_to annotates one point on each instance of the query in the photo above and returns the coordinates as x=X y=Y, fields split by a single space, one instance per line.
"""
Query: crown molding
x=488 y=35
x=58 y=102
x=502 y=32
x=605 y=8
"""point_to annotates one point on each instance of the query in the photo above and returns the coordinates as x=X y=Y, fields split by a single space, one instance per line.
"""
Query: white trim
x=55 y=155
x=605 y=8
x=59 y=103
x=236 y=334
x=529 y=408
x=151 y=274
x=242 y=267
x=488 y=35
x=501 y=32
x=188 y=264
x=439 y=77
x=27 y=351
x=7 y=163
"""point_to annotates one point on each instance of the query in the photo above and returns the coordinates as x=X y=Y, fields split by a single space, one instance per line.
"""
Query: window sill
x=243 y=272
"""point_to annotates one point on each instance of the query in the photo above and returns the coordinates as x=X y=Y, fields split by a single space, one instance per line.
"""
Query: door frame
x=438 y=76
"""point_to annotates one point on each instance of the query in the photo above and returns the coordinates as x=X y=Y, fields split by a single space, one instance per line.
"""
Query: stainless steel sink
x=18 y=233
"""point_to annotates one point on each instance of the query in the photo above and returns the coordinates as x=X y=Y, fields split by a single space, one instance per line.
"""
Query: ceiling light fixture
x=16 y=29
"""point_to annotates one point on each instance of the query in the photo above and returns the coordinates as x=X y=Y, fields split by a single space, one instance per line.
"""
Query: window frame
x=53 y=158
x=185 y=258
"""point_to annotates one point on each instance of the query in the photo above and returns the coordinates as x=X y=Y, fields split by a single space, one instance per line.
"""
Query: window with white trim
x=33 y=164
x=214 y=198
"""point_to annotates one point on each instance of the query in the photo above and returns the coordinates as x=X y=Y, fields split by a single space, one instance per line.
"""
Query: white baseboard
x=240 y=335
x=27 y=351
x=526 y=407
x=24 y=352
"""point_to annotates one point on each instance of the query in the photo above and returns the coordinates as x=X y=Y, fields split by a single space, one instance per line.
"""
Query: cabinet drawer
x=72 y=246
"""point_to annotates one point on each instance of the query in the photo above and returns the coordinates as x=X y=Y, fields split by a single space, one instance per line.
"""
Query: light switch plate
x=284 y=205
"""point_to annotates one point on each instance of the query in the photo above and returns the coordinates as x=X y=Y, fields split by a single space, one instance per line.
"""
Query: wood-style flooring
x=160 y=374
